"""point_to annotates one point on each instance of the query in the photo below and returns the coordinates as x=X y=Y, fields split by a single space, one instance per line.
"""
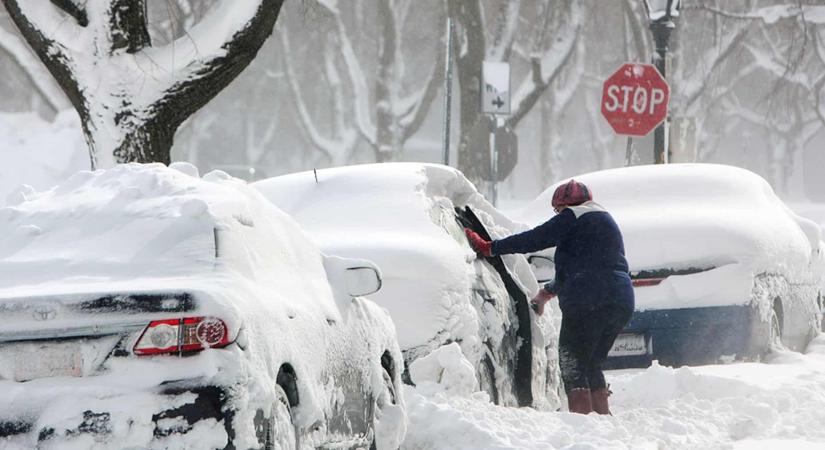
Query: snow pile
x=747 y=406
x=39 y=153
x=445 y=369
x=696 y=215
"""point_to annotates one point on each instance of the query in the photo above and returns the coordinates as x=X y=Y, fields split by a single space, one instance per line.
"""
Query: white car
x=409 y=219
x=722 y=268
x=145 y=307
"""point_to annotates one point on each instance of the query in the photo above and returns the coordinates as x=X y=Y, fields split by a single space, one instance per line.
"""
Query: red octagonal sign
x=634 y=99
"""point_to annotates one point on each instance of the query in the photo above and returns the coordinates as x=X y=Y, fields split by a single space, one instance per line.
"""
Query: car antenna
x=315 y=171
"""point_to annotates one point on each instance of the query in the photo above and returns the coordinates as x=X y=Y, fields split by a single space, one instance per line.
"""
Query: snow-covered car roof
x=695 y=215
x=395 y=214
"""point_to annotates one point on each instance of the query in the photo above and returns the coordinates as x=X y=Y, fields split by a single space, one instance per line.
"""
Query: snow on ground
x=745 y=406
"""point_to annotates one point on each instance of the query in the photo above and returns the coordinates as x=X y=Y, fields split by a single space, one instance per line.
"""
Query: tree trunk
x=130 y=103
x=470 y=47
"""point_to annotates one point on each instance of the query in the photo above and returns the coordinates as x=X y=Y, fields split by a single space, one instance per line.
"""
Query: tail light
x=189 y=334
x=641 y=282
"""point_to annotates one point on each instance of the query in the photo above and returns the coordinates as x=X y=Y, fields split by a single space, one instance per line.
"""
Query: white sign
x=495 y=88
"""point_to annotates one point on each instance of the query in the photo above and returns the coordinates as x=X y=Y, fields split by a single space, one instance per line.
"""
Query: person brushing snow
x=592 y=283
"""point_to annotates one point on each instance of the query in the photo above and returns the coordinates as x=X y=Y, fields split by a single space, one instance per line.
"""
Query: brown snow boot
x=598 y=398
x=578 y=401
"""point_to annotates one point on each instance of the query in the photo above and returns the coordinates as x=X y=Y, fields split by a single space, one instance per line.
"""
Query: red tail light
x=188 y=334
x=640 y=282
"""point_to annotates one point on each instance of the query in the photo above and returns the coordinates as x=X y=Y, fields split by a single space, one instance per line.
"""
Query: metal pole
x=448 y=91
x=494 y=162
x=628 y=159
x=661 y=30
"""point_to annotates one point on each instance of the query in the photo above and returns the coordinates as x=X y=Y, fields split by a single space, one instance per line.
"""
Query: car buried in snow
x=146 y=307
x=721 y=268
x=409 y=219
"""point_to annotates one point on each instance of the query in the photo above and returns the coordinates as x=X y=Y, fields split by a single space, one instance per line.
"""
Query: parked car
x=409 y=219
x=145 y=307
x=722 y=269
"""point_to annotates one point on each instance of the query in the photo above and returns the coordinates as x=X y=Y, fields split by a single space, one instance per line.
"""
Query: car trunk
x=73 y=335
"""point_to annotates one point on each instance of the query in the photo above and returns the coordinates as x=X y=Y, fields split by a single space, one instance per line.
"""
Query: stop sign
x=634 y=99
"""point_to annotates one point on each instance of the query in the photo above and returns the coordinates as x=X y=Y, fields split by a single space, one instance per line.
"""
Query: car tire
x=387 y=397
x=280 y=432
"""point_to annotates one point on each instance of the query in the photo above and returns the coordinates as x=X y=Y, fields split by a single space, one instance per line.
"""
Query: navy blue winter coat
x=591 y=269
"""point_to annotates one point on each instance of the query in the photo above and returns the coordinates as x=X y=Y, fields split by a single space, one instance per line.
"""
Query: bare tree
x=130 y=95
x=16 y=50
x=552 y=46
x=381 y=109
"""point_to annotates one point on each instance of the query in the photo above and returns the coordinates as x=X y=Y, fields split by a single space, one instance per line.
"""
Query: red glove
x=478 y=243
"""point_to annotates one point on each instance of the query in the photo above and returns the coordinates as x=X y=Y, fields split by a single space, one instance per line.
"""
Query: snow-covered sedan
x=409 y=219
x=146 y=307
x=722 y=269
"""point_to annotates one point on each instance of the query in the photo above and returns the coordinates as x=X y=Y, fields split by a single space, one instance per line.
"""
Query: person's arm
x=543 y=236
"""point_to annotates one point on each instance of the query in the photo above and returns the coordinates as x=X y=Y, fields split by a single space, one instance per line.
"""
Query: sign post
x=448 y=92
x=495 y=101
x=635 y=99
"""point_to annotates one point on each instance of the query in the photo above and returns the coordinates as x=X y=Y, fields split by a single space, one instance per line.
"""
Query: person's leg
x=577 y=341
x=614 y=317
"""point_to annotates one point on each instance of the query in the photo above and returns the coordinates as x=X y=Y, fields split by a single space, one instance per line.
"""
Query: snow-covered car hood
x=696 y=215
x=399 y=215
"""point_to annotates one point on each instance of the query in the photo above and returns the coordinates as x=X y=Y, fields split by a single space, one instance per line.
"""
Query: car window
x=443 y=215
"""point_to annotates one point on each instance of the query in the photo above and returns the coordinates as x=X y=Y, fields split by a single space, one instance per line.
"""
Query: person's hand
x=542 y=297
x=478 y=243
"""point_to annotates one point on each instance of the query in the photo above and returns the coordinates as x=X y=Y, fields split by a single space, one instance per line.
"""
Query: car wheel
x=279 y=429
x=384 y=401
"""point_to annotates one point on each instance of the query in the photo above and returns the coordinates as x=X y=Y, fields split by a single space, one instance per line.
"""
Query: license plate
x=629 y=345
x=34 y=361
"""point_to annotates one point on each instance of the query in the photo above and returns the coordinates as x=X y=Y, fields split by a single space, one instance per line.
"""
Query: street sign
x=634 y=99
x=495 y=88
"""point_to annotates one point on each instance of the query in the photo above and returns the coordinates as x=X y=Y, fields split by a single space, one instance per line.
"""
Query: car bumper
x=182 y=410
x=695 y=336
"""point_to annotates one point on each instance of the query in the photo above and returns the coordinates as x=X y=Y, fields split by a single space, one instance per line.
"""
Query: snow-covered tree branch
x=132 y=96
x=384 y=116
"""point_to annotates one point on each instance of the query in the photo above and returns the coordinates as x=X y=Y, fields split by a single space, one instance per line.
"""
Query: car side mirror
x=356 y=277
x=362 y=280
x=543 y=268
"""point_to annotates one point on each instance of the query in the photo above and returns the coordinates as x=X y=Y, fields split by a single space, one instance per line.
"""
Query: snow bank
x=696 y=215
x=739 y=406
x=39 y=153
x=445 y=369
